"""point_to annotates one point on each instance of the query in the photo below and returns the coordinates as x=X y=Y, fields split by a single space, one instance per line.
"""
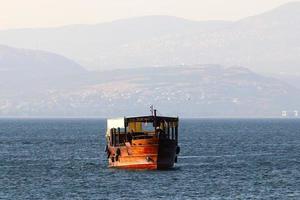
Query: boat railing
x=142 y=137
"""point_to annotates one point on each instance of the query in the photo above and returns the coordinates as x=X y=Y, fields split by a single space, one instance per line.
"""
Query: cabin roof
x=150 y=119
x=121 y=122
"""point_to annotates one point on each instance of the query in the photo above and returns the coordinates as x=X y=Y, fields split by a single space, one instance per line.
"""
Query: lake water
x=220 y=159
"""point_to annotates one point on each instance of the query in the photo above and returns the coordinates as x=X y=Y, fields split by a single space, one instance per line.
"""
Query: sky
x=51 y=13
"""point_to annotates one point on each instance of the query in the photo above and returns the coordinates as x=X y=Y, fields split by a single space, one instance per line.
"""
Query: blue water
x=220 y=159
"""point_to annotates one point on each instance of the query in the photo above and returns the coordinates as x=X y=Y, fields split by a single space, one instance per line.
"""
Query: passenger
x=161 y=133
x=129 y=135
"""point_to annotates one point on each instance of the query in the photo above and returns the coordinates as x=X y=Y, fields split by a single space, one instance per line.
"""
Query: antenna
x=151 y=110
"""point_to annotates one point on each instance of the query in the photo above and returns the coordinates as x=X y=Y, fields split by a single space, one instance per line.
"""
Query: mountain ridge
x=199 y=91
x=162 y=63
x=266 y=42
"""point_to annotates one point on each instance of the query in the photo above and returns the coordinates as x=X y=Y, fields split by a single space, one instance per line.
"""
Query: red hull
x=147 y=154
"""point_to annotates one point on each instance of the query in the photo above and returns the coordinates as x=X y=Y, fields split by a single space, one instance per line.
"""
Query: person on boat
x=161 y=133
x=129 y=136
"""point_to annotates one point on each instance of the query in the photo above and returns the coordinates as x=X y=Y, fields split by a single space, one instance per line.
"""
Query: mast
x=151 y=109
x=153 y=113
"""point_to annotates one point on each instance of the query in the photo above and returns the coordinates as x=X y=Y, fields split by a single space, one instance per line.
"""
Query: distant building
x=284 y=113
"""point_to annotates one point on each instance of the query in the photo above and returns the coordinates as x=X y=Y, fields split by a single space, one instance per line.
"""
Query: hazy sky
x=45 y=13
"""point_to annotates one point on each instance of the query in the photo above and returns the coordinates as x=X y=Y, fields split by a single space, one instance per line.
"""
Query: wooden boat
x=146 y=142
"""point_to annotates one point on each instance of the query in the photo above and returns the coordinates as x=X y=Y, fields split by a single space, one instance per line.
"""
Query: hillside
x=267 y=42
x=24 y=71
x=35 y=83
x=90 y=44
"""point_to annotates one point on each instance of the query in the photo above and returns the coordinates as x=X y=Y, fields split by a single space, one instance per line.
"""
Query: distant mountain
x=37 y=83
x=291 y=79
x=91 y=44
x=194 y=91
x=34 y=61
x=156 y=60
x=24 y=71
x=265 y=43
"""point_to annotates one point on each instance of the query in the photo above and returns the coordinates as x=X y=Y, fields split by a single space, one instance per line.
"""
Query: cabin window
x=173 y=133
x=147 y=126
x=169 y=129
x=135 y=127
x=142 y=129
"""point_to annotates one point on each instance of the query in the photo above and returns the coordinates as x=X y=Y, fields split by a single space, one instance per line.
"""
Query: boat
x=144 y=142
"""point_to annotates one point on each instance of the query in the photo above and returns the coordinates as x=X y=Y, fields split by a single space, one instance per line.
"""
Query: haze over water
x=219 y=159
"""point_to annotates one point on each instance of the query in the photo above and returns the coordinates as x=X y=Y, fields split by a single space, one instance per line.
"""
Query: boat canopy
x=120 y=122
x=116 y=123
x=151 y=118
x=135 y=123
